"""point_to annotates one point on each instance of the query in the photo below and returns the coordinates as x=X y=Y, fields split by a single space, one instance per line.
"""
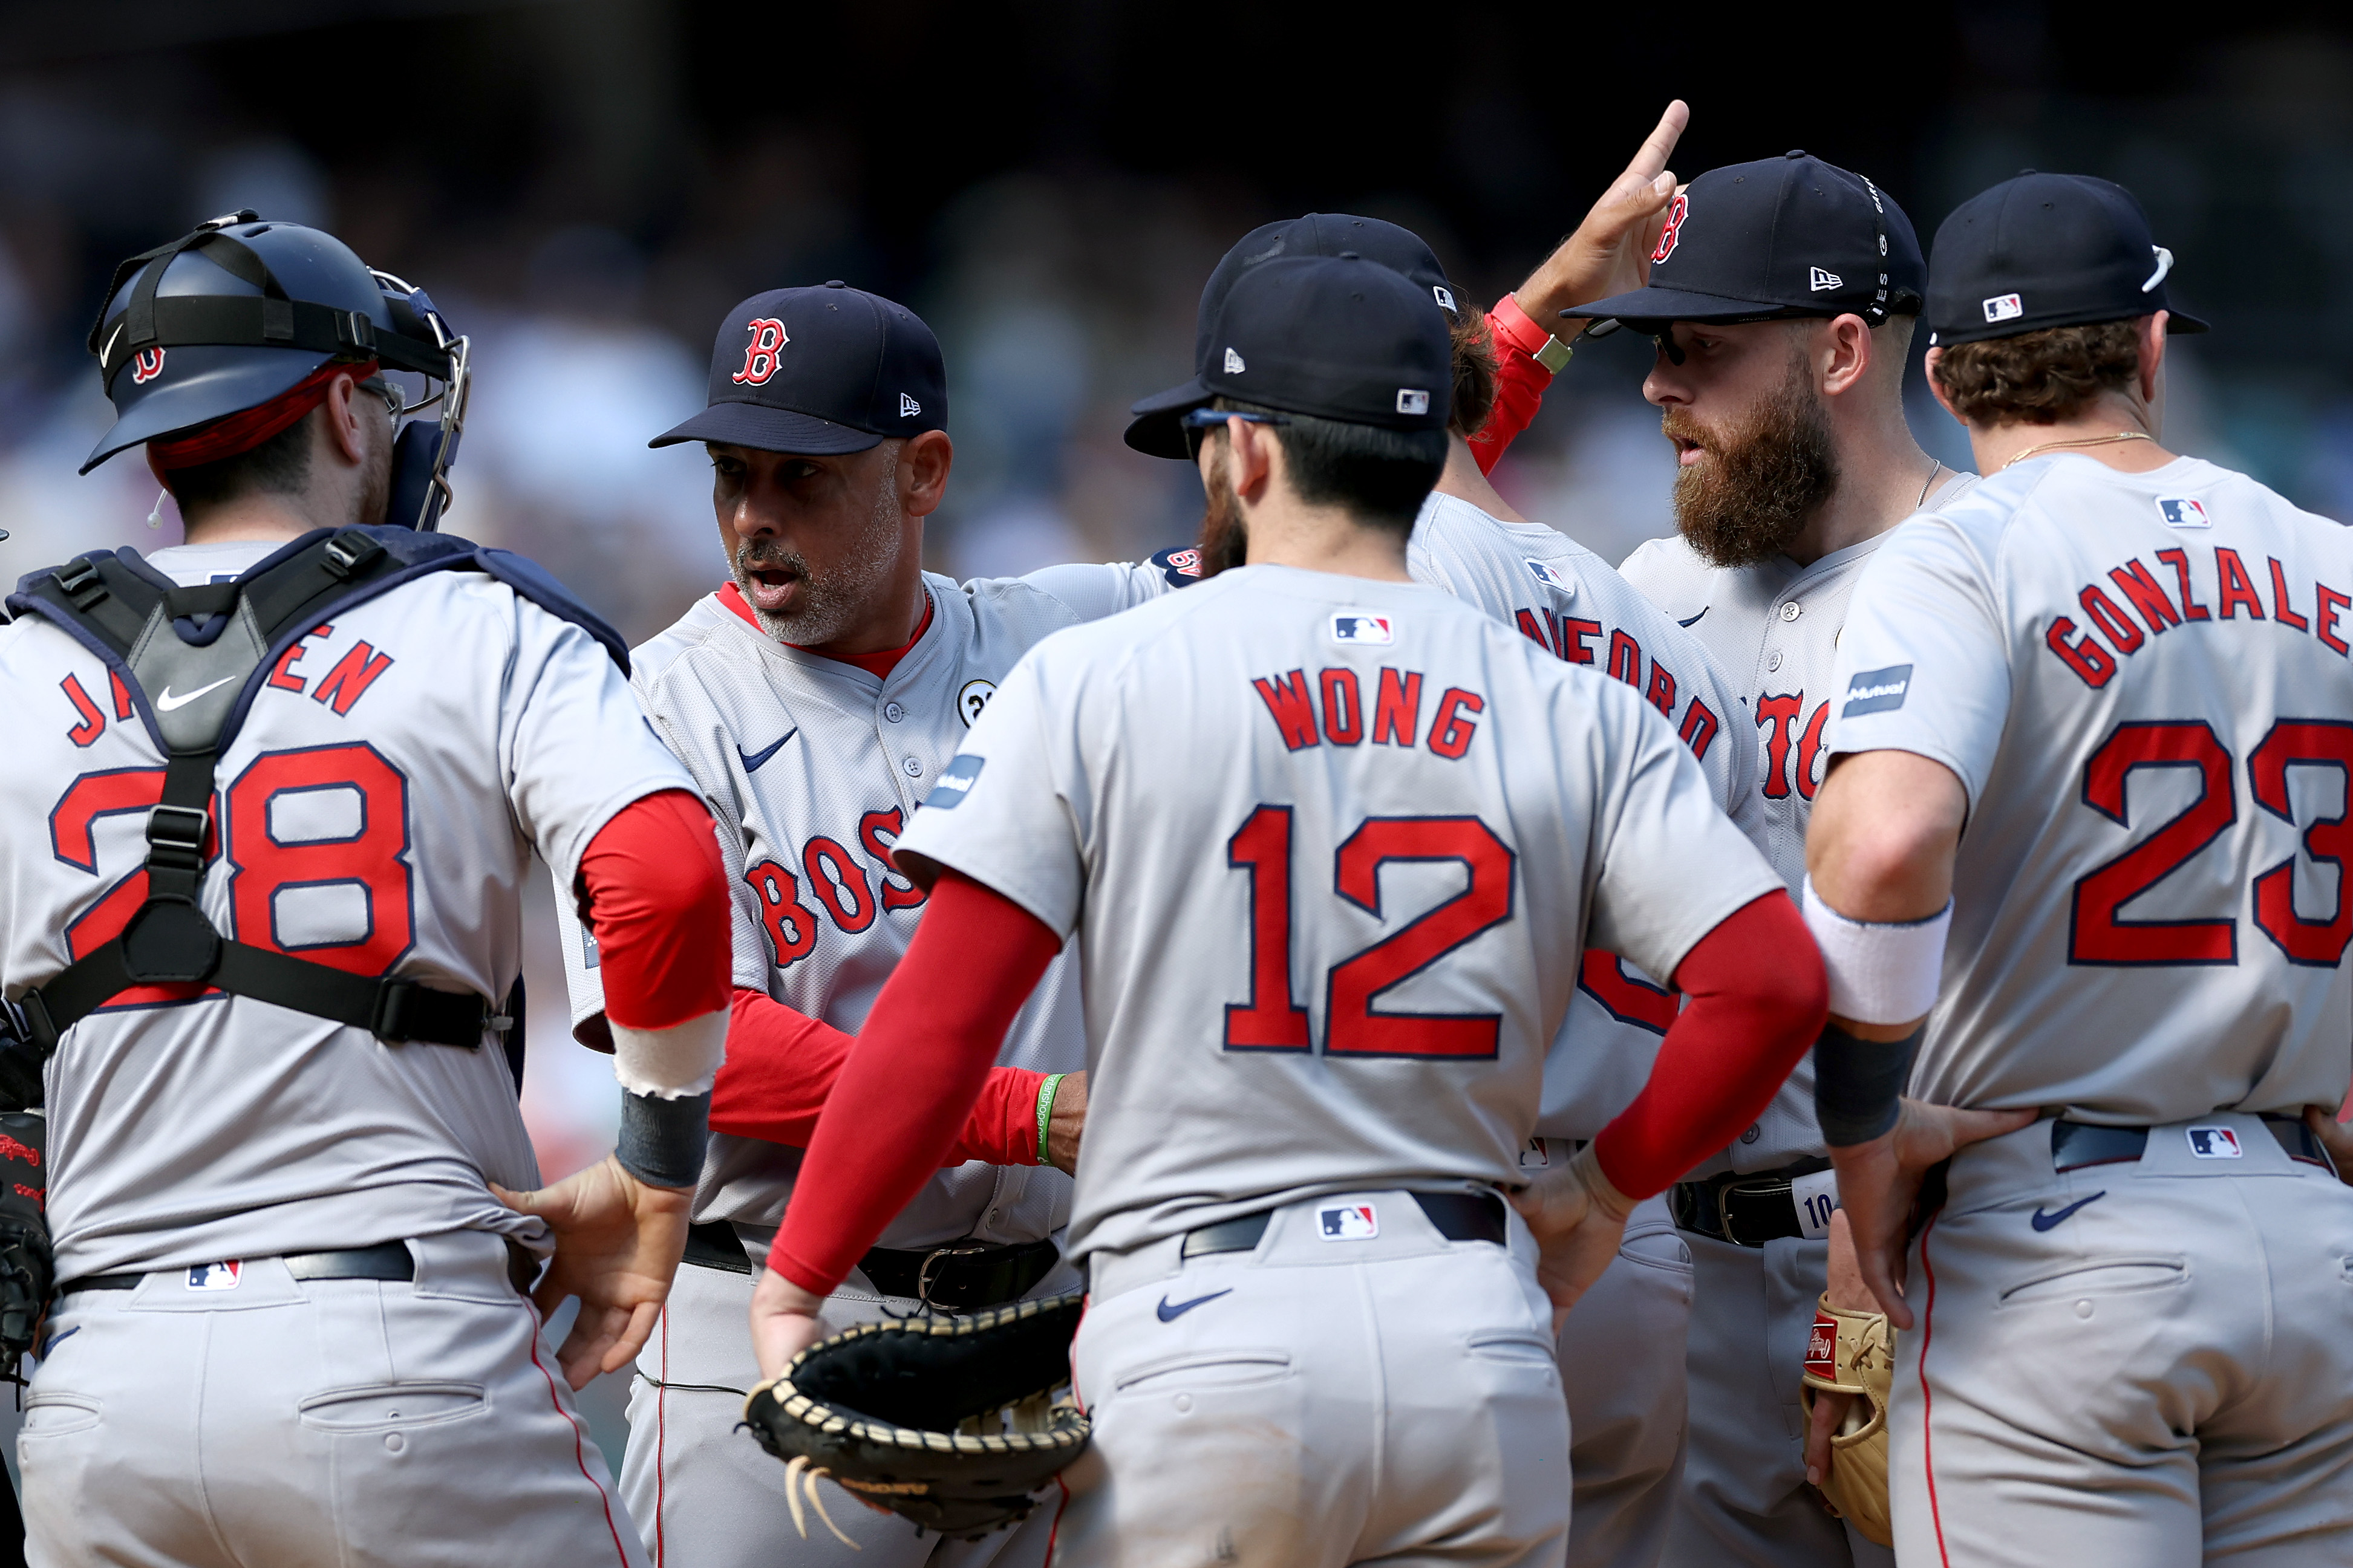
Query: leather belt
x=1744 y=1210
x=2076 y=1145
x=962 y=1277
x=389 y=1260
x=1458 y=1216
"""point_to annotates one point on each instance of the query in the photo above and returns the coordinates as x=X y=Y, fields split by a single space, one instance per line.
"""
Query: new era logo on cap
x=1823 y=280
x=1233 y=363
x=2004 y=308
x=1444 y=296
x=908 y=406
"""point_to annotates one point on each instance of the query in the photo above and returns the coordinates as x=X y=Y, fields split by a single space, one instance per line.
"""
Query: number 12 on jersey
x=1274 y=1020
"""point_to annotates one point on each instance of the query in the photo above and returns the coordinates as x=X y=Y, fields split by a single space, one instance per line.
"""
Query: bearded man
x=1783 y=297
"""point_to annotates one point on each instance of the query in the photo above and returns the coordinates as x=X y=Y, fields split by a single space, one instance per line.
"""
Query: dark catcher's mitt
x=949 y=1422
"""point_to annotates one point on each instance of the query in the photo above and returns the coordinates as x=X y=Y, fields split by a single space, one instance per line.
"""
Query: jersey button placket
x=1773 y=660
x=1792 y=610
x=894 y=713
x=914 y=769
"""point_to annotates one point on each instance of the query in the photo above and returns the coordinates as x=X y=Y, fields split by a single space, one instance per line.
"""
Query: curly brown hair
x=2040 y=378
x=1475 y=371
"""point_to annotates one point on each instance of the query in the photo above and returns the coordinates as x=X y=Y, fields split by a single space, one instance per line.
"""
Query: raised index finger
x=1659 y=145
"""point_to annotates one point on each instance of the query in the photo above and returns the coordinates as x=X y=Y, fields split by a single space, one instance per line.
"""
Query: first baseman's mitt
x=1855 y=1353
x=950 y=1421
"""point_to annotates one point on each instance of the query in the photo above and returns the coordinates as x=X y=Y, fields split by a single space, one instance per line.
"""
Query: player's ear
x=344 y=413
x=1844 y=354
x=1936 y=388
x=1256 y=458
x=2152 y=354
x=924 y=465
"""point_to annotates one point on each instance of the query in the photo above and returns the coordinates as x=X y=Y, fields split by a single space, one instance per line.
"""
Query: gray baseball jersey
x=1485 y=812
x=1574 y=605
x=1774 y=628
x=378 y=811
x=2142 y=682
x=813 y=766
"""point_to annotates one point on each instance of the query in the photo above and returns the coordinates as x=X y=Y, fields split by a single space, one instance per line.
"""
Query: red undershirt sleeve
x=921 y=1062
x=782 y=1066
x=656 y=892
x=1520 y=381
x=1758 y=999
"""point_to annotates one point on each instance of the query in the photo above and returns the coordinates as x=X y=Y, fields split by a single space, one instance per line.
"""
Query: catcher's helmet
x=239 y=311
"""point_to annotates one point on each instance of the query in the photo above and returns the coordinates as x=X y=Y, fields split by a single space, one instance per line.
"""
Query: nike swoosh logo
x=752 y=760
x=1169 y=1314
x=2045 y=1221
x=1695 y=619
x=167 y=702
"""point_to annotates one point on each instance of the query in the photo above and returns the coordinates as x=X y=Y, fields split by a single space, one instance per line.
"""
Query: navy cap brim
x=2175 y=321
x=1154 y=431
x=205 y=380
x=2183 y=322
x=1651 y=308
x=767 y=429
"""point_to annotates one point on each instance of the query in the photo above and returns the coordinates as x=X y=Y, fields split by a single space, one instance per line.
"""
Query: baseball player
x=1316 y=1334
x=1782 y=295
x=2087 y=802
x=815 y=698
x=1622 y=1368
x=272 y=796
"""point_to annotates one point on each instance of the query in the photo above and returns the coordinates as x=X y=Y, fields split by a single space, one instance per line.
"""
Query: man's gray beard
x=1765 y=480
x=831 y=604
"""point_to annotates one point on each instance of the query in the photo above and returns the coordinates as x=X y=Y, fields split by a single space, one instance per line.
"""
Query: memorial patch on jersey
x=1347 y=1221
x=1877 y=690
x=216 y=1275
x=2181 y=511
x=955 y=783
x=1551 y=576
x=2214 y=1144
x=1362 y=626
x=971 y=698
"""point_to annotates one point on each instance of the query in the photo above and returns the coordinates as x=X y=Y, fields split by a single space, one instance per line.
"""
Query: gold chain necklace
x=2083 y=441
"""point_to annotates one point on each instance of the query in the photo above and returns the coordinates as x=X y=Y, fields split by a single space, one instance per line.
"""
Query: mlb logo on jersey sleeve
x=216 y=1275
x=1550 y=576
x=1349 y=1222
x=2181 y=511
x=2215 y=1143
x=1362 y=626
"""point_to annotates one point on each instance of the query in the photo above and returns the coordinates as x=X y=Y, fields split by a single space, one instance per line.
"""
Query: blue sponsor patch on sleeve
x=1877 y=690
x=955 y=783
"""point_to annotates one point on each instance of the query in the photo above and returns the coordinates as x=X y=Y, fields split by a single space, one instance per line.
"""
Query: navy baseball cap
x=2047 y=250
x=1338 y=338
x=1780 y=237
x=824 y=370
x=1154 y=431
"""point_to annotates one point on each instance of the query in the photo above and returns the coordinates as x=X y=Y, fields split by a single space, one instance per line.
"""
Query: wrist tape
x=1858 y=1084
x=662 y=1141
x=1879 y=972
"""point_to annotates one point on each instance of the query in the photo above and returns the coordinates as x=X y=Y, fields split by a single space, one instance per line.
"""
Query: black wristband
x=1859 y=1083
x=662 y=1141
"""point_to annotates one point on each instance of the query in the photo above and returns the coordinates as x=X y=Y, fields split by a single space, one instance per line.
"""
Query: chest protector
x=216 y=641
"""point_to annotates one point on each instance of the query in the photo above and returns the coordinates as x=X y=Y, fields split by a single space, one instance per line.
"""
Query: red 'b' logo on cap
x=1675 y=214
x=760 y=358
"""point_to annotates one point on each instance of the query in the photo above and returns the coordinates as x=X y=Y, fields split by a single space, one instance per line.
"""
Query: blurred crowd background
x=586 y=186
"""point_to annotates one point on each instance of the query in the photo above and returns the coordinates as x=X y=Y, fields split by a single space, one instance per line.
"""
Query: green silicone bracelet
x=1046 y=1110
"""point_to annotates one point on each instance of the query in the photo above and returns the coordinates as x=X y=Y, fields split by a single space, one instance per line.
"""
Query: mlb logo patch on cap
x=216 y=1275
x=2214 y=1144
x=2181 y=511
x=2004 y=308
x=1362 y=626
x=1413 y=400
x=1349 y=1222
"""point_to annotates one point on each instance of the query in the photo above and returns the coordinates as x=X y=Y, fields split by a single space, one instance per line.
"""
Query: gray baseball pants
x=1323 y=1399
x=707 y=1496
x=284 y=1422
x=1621 y=1364
x=1744 y=1499
x=2147 y=1363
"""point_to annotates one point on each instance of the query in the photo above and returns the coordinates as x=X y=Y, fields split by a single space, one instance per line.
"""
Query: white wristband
x=1879 y=973
x=672 y=1063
